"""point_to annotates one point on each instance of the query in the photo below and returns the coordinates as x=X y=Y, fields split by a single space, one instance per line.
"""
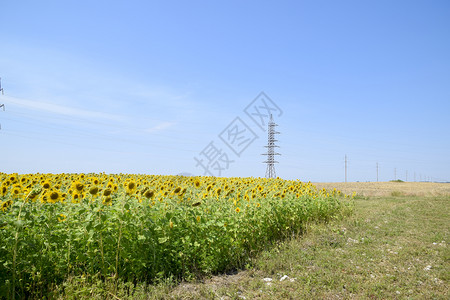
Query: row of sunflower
x=52 y=188
x=141 y=227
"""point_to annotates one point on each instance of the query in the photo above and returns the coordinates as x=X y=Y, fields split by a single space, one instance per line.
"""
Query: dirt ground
x=388 y=188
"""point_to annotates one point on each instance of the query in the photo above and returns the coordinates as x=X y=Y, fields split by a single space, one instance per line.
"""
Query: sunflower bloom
x=4 y=206
x=149 y=194
x=107 y=200
x=78 y=186
x=93 y=190
x=61 y=218
x=54 y=196
x=107 y=192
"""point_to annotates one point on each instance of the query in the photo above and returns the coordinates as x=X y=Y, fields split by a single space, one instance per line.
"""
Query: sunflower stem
x=16 y=242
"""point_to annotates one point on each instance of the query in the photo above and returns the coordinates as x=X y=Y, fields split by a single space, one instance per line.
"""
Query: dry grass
x=382 y=189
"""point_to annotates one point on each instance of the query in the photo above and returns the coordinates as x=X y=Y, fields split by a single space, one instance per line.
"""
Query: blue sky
x=146 y=86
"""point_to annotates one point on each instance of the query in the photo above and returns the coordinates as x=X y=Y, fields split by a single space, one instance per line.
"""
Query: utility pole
x=3 y=106
x=414 y=176
x=345 y=167
x=270 y=171
x=377 y=171
x=406 y=175
x=395 y=173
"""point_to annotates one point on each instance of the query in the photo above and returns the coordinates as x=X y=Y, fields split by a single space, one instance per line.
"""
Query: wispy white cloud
x=61 y=109
x=159 y=127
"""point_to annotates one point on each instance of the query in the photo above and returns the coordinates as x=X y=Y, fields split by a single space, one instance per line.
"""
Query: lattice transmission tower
x=270 y=171
x=1 y=105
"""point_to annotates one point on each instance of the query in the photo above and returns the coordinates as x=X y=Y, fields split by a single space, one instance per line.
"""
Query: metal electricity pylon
x=1 y=105
x=270 y=171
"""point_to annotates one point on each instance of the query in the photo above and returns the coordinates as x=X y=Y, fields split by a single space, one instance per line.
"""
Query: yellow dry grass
x=380 y=189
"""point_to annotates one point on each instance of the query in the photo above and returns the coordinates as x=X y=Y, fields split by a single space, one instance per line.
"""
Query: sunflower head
x=93 y=190
x=149 y=194
x=33 y=195
x=107 y=192
x=62 y=218
x=75 y=198
x=131 y=185
x=16 y=191
x=4 y=205
x=54 y=196
x=95 y=180
x=78 y=186
x=107 y=200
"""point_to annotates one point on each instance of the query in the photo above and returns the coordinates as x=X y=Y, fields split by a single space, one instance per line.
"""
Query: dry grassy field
x=381 y=189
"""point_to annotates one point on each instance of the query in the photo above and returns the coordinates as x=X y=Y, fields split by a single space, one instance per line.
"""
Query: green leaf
x=163 y=240
x=18 y=223
x=88 y=216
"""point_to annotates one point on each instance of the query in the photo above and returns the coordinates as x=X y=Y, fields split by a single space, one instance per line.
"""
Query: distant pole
x=406 y=175
x=2 y=105
x=377 y=172
x=414 y=176
x=395 y=173
x=345 y=167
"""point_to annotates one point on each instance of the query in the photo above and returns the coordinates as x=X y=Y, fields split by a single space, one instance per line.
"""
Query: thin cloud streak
x=161 y=126
x=60 y=109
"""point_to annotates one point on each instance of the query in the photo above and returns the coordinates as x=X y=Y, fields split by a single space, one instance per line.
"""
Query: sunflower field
x=142 y=228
